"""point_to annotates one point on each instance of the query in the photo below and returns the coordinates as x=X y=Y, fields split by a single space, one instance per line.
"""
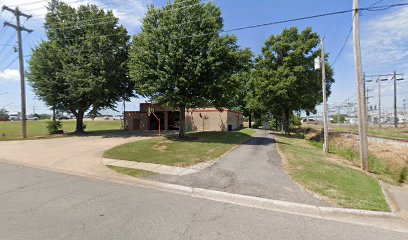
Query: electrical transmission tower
x=386 y=77
x=17 y=13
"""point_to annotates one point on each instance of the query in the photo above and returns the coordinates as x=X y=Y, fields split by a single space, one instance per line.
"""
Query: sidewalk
x=397 y=197
x=156 y=168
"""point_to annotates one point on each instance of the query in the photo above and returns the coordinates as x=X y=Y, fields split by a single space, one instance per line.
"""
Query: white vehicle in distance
x=32 y=118
x=118 y=117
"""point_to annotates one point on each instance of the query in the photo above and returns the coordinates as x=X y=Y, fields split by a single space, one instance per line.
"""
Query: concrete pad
x=156 y=168
x=145 y=166
x=397 y=198
x=169 y=170
x=108 y=161
x=124 y=164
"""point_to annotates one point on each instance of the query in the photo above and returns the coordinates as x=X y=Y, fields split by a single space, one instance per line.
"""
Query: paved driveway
x=75 y=155
x=254 y=168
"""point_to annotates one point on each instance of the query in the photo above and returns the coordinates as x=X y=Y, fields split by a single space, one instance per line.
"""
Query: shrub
x=403 y=174
x=53 y=127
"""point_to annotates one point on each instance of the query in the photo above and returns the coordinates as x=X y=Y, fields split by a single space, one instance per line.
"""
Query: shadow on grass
x=282 y=143
x=223 y=138
x=114 y=133
x=292 y=135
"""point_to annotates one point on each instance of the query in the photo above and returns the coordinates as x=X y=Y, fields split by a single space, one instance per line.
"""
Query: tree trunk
x=53 y=113
x=250 y=120
x=79 y=122
x=182 y=128
x=287 y=123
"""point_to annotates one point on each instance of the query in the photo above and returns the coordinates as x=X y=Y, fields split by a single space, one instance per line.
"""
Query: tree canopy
x=284 y=79
x=181 y=59
x=4 y=114
x=82 y=65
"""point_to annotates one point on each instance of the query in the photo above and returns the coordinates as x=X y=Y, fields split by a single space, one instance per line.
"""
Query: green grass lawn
x=197 y=147
x=38 y=129
x=345 y=186
x=386 y=172
x=130 y=171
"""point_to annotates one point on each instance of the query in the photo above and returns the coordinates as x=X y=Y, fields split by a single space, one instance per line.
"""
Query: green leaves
x=180 y=59
x=83 y=62
x=284 y=79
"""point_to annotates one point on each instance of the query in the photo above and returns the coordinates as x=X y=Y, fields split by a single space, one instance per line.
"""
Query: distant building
x=198 y=119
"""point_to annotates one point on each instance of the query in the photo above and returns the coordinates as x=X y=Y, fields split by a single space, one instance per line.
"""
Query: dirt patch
x=184 y=139
x=160 y=148
x=394 y=158
x=396 y=155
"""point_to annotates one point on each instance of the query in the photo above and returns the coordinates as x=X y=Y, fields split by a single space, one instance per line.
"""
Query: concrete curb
x=382 y=220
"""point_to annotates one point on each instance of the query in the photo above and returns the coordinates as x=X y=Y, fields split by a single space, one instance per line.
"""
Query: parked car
x=118 y=117
x=32 y=118
x=14 y=117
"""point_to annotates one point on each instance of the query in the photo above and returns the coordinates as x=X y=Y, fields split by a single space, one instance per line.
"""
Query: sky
x=384 y=42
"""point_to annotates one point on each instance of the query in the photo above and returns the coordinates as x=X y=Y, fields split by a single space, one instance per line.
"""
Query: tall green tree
x=239 y=101
x=4 y=114
x=181 y=59
x=285 y=79
x=82 y=65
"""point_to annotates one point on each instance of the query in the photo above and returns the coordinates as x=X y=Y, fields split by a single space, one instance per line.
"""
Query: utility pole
x=325 y=122
x=394 y=77
x=17 y=13
x=405 y=111
x=379 y=101
x=404 y=105
x=338 y=114
x=362 y=114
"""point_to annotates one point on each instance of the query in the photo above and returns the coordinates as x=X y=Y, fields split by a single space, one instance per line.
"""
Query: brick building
x=205 y=119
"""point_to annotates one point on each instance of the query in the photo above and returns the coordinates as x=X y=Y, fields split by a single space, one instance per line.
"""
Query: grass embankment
x=387 y=163
x=170 y=150
x=386 y=131
x=345 y=186
x=38 y=129
x=384 y=170
x=131 y=172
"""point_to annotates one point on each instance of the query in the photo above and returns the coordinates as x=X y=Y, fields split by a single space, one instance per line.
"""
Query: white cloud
x=127 y=11
x=9 y=75
x=384 y=42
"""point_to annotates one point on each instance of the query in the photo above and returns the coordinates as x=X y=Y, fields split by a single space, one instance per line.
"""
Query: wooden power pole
x=17 y=13
x=362 y=114
x=325 y=122
x=394 y=77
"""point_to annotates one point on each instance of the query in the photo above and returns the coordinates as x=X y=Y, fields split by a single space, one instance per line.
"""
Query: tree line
x=180 y=58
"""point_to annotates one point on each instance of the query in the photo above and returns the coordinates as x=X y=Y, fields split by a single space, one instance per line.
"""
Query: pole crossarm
x=16 y=11
x=16 y=27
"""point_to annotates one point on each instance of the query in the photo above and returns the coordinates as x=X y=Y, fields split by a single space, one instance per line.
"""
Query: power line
x=255 y=26
x=117 y=1
x=349 y=35
x=344 y=46
x=299 y=19
x=375 y=3
x=7 y=43
x=8 y=65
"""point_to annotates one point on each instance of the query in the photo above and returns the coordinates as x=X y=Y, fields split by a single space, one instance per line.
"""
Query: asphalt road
x=38 y=204
x=254 y=168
